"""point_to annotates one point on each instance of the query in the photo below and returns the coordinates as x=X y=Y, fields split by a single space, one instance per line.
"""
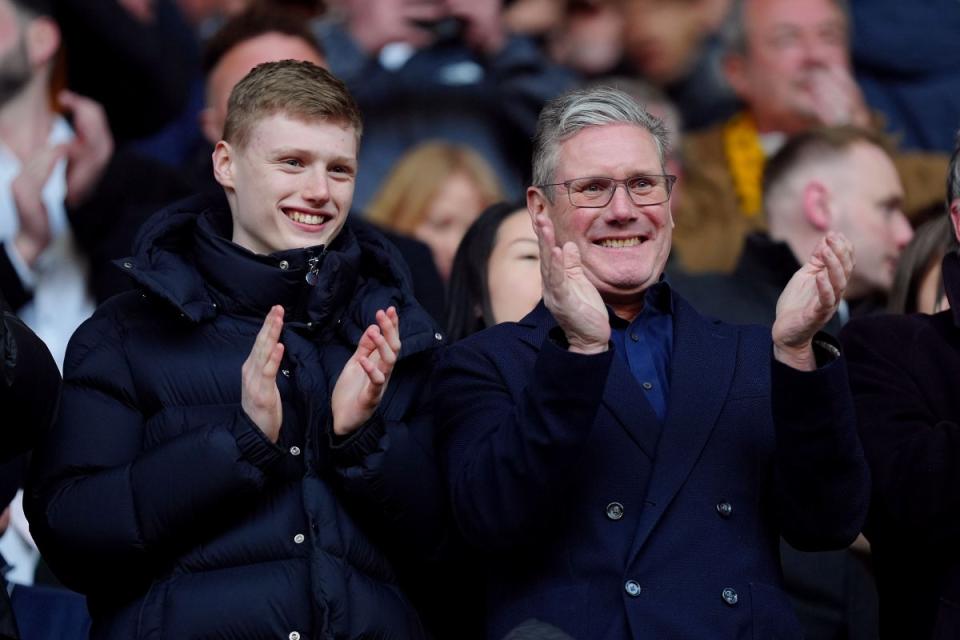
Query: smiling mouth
x=306 y=218
x=620 y=243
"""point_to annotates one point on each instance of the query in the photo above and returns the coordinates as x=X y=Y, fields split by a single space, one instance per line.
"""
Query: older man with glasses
x=626 y=464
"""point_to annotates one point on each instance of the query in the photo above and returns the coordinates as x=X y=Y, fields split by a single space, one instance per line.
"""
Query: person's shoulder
x=894 y=330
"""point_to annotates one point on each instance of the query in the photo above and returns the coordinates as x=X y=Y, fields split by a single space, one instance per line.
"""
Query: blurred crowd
x=787 y=120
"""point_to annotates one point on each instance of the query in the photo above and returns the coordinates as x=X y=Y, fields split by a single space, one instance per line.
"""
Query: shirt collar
x=657 y=300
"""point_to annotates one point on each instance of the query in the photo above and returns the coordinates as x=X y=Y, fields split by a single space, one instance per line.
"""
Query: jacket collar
x=183 y=256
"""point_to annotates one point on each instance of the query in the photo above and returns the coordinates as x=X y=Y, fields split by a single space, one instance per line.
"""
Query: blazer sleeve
x=912 y=444
x=820 y=474
x=507 y=442
x=104 y=508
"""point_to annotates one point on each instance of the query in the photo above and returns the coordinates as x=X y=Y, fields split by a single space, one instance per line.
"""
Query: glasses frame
x=671 y=181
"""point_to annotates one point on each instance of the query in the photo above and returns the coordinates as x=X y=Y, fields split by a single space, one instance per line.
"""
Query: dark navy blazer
x=597 y=519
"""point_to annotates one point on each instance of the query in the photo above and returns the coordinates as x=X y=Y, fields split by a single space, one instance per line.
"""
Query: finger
x=367 y=345
x=388 y=357
x=389 y=324
x=376 y=377
x=835 y=273
x=844 y=250
x=571 y=258
x=825 y=293
x=266 y=338
x=272 y=366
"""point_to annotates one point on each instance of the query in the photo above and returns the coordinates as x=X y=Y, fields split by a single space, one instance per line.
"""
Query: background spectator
x=434 y=194
x=918 y=282
x=496 y=272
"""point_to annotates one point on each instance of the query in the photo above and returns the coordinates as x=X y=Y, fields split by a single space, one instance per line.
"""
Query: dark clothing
x=749 y=294
x=832 y=591
x=158 y=497
x=151 y=64
x=606 y=524
x=29 y=396
x=907 y=63
x=903 y=371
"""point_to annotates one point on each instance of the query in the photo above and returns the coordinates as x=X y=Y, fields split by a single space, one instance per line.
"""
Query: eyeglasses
x=598 y=192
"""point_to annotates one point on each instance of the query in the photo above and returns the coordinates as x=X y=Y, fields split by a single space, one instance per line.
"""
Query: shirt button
x=632 y=588
x=284 y=265
x=634 y=337
x=294 y=450
x=294 y=635
x=438 y=336
x=730 y=596
x=299 y=538
x=614 y=510
x=725 y=509
x=647 y=386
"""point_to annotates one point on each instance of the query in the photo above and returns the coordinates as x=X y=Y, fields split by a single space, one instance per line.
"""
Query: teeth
x=619 y=243
x=305 y=218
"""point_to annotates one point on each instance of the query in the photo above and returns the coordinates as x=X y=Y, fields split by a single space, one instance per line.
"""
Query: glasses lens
x=590 y=192
x=649 y=189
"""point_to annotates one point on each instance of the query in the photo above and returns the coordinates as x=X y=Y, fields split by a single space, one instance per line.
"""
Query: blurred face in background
x=869 y=202
x=795 y=51
x=513 y=271
x=662 y=37
x=450 y=213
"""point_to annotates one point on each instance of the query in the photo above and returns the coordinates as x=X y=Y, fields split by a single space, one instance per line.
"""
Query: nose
x=902 y=231
x=621 y=207
x=315 y=189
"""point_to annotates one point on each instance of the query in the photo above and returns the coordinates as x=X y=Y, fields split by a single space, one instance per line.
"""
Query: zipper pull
x=313 y=271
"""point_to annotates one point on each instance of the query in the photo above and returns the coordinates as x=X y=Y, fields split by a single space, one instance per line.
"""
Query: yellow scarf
x=745 y=159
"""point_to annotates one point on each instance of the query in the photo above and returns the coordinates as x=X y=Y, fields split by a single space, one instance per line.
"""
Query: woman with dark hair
x=496 y=271
x=917 y=283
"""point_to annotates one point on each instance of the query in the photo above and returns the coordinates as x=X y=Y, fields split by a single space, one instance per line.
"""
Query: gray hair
x=953 y=174
x=570 y=113
x=733 y=32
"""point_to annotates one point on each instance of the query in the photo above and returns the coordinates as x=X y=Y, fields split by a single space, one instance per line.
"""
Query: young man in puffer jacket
x=240 y=446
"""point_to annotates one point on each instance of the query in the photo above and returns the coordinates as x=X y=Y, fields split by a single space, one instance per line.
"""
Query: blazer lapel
x=624 y=398
x=702 y=366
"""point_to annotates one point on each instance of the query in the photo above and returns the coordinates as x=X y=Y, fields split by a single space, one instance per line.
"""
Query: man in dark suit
x=628 y=464
x=904 y=371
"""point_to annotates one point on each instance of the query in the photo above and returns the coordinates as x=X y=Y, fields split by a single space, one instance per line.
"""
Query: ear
x=735 y=70
x=955 y=216
x=210 y=125
x=817 y=206
x=223 y=169
x=536 y=202
x=43 y=40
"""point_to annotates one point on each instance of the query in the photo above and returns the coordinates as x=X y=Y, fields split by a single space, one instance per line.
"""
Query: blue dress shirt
x=646 y=345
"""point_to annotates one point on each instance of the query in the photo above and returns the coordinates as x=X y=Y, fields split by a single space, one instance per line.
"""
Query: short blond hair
x=403 y=200
x=301 y=90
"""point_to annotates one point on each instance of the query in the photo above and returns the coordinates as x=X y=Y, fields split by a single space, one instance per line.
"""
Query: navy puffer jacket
x=158 y=498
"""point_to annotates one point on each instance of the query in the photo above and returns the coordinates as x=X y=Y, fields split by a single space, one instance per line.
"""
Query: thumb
x=571 y=257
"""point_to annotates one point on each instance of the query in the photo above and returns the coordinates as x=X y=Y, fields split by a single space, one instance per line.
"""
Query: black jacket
x=158 y=497
x=904 y=372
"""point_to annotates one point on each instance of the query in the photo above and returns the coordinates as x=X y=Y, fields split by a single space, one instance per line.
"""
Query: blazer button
x=632 y=587
x=730 y=596
x=614 y=510
x=294 y=635
x=725 y=509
